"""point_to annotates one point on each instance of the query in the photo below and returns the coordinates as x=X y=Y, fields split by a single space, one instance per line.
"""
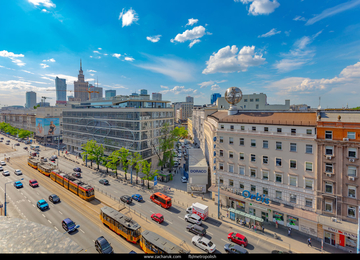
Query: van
x=193 y=218
x=197 y=230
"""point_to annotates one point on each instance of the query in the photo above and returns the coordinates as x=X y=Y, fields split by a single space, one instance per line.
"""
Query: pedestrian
x=254 y=228
x=276 y=224
x=309 y=242
x=263 y=229
x=289 y=231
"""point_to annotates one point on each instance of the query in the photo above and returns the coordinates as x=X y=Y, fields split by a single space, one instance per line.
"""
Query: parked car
x=54 y=198
x=42 y=205
x=18 y=172
x=18 y=184
x=204 y=244
x=76 y=174
x=104 y=181
x=193 y=218
x=1 y=168
x=234 y=249
x=197 y=230
x=17 y=144
x=157 y=217
x=68 y=225
x=137 y=197
x=103 y=246
x=25 y=147
x=33 y=183
x=183 y=179
x=6 y=173
x=238 y=239
x=125 y=198
x=3 y=163
x=77 y=169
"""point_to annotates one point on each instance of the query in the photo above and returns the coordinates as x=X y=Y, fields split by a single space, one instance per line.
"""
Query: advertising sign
x=47 y=126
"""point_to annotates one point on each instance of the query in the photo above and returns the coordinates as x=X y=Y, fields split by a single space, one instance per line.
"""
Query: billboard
x=47 y=126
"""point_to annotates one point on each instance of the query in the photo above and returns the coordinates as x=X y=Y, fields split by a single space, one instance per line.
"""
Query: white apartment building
x=265 y=165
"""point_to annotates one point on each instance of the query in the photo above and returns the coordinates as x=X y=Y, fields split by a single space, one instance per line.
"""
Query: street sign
x=155 y=180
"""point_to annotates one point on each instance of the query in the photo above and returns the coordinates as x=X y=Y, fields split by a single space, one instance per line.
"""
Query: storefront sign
x=257 y=197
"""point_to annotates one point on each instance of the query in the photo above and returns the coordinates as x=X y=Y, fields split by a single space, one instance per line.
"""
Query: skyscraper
x=214 y=97
x=30 y=99
x=110 y=93
x=189 y=99
x=60 y=85
x=81 y=86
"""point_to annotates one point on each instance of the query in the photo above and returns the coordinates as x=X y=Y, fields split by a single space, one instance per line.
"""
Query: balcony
x=282 y=134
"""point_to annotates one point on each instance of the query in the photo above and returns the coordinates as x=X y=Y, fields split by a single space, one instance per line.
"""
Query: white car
x=183 y=179
x=1 y=168
x=6 y=173
x=18 y=172
x=204 y=243
x=193 y=218
x=2 y=163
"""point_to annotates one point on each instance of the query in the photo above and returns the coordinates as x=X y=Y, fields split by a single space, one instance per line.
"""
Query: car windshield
x=55 y=197
x=71 y=224
x=42 y=202
x=105 y=245
x=210 y=244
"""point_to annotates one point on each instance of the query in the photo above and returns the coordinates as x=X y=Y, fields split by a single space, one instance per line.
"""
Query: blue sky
x=297 y=50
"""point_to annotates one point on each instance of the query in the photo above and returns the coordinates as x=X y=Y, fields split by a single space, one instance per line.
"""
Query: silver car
x=204 y=243
x=193 y=218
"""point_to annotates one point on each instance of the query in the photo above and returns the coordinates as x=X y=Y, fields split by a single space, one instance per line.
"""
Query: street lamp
x=5 y=195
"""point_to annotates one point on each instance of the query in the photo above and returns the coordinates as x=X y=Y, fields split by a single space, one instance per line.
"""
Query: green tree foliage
x=93 y=151
x=113 y=161
x=149 y=174
x=133 y=161
x=124 y=159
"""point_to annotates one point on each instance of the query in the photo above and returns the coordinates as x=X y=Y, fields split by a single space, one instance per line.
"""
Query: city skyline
x=296 y=50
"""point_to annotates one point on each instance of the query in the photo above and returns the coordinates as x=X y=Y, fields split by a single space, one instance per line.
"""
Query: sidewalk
x=296 y=243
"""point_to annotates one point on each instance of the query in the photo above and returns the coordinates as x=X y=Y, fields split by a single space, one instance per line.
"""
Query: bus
x=161 y=199
x=45 y=168
x=34 y=147
x=32 y=162
x=120 y=224
x=152 y=243
x=80 y=188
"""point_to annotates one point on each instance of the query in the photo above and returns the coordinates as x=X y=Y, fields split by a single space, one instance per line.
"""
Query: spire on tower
x=80 y=65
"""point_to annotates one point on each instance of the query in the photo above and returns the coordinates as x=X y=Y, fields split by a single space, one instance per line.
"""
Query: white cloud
x=260 y=6
x=228 y=60
x=116 y=55
x=179 y=90
x=129 y=59
x=45 y=11
x=100 y=49
x=270 y=33
x=27 y=71
x=128 y=17
x=62 y=76
x=215 y=87
x=333 y=10
x=299 y=18
x=210 y=82
x=155 y=38
x=91 y=71
x=299 y=55
x=46 y=3
x=165 y=87
x=44 y=66
x=96 y=52
x=190 y=35
x=12 y=56
x=49 y=60
x=192 y=21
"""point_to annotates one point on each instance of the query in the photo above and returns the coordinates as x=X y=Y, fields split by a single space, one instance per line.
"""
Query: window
x=293 y=131
x=328 y=206
x=309 y=148
x=328 y=135
x=308 y=166
x=221 y=166
x=328 y=167
x=265 y=175
x=257 y=106
x=278 y=177
x=231 y=183
x=292 y=198
x=265 y=159
x=351 y=135
x=351 y=213
x=253 y=188
x=221 y=139
x=242 y=156
x=278 y=194
x=242 y=128
x=308 y=131
x=279 y=130
x=292 y=147
x=241 y=185
x=251 y=99
x=221 y=126
x=221 y=181
x=253 y=173
x=328 y=187
x=266 y=129
x=245 y=100
x=352 y=152
x=293 y=181
x=308 y=203
x=292 y=164
x=232 y=128
x=231 y=140
x=265 y=191
x=253 y=128
x=242 y=170
x=278 y=145
x=278 y=162
x=352 y=171
x=242 y=141
x=256 y=100
x=253 y=158
x=309 y=183
x=253 y=143
x=352 y=191
x=231 y=168
x=231 y=155
x=265 y=144
x=221 y=153
x=329 y=150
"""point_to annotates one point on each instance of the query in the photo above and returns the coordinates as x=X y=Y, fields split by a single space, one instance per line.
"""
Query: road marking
x=210 y=233
x=225 y=241
x=180 y=217
x=56 y=228
x=29 y=201
x=169 y=222
x=60 y=212
x=25 y=197
x=81 y=230
x=43 y=215
x=49 y=221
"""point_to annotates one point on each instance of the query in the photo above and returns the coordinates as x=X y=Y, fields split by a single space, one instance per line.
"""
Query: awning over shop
x=245 y=214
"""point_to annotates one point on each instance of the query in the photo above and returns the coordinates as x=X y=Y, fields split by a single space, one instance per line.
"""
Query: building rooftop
x=197 y=158
x=267 y=117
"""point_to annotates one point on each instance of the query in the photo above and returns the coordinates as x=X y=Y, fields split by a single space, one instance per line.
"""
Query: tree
x=138 y=166
x=93 y=151
x=149 y=174
x=113 y=161
x=124 y=155
x=133 y=160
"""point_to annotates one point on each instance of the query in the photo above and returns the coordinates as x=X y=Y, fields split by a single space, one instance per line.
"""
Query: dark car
x=77 y=169
x=54 y=198
x=104 y=181
x=76 y=174
x=125 y=198
x=234 y=249
x=25 y=148
x=69 y=225
x=137 y=197
x=193 y=228
x=17 y=144
x=103 y=246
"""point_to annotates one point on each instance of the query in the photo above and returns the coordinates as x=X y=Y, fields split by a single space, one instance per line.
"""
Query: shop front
x=335 y=237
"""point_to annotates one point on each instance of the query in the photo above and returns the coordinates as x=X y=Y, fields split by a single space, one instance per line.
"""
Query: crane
x=43 y=100
x=88 y=91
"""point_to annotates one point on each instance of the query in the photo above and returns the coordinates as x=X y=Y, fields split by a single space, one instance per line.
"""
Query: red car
x=33 y=183
x=238 y=239
x=157 y=217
